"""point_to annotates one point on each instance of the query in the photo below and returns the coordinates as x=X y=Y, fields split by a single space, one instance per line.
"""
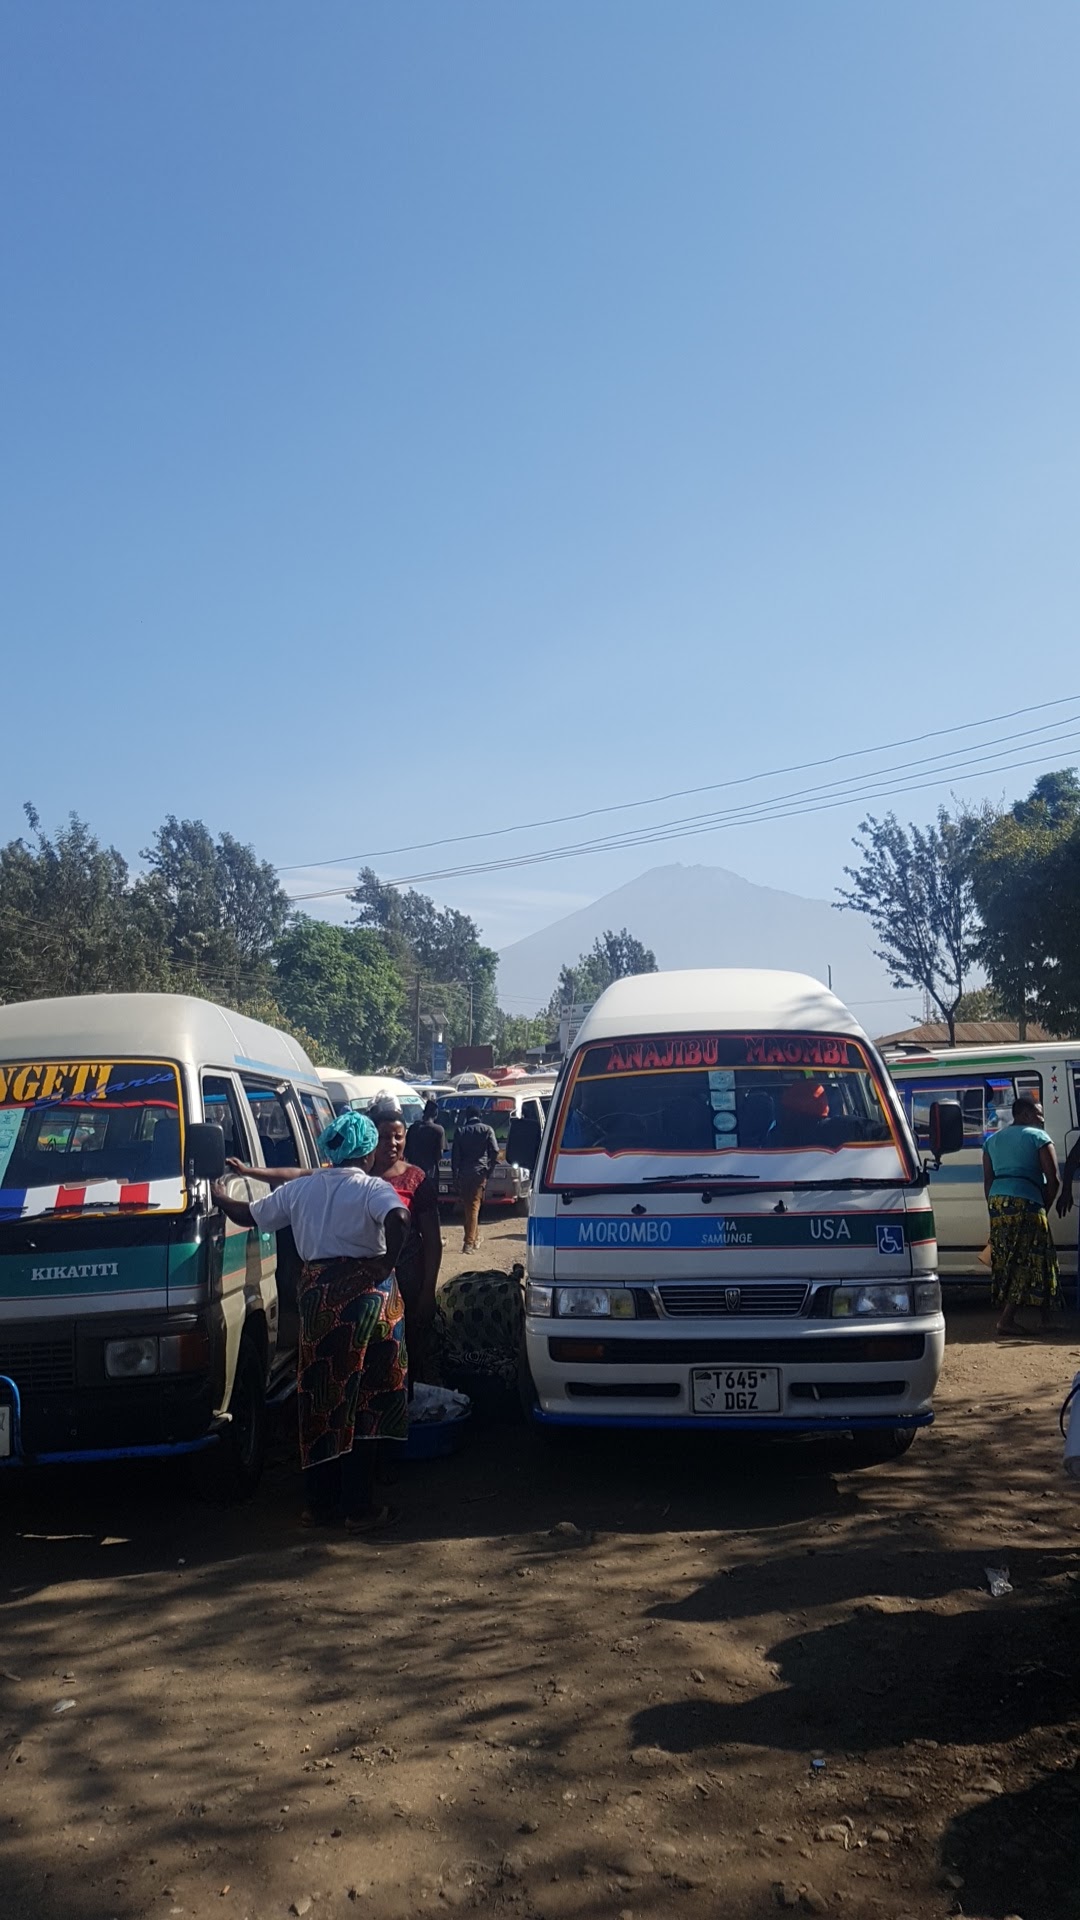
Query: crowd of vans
x=730 y=1217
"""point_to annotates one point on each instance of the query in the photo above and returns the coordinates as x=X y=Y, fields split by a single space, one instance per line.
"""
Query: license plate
x=735 y=1389
x=444 y=1186
x=5 y=1432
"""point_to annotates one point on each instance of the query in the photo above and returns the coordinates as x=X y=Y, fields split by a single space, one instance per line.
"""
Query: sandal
x=377 y=1522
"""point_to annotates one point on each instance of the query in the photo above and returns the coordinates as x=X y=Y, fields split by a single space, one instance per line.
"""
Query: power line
x=684 y=793
x=777 y=808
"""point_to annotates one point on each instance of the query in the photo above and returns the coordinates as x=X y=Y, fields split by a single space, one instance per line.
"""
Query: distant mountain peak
x=704 y=916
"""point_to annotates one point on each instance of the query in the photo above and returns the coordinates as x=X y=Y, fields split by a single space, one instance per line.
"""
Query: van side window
x=219 y=1105
x=530 y=1110
x=986 y=1104
x=280 y=1147
x=318 y=1113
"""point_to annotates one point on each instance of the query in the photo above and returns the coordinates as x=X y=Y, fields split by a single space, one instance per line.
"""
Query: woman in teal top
x=1020 y=1177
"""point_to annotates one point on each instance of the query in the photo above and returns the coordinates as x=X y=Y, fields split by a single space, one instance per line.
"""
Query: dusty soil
x=589 y=1682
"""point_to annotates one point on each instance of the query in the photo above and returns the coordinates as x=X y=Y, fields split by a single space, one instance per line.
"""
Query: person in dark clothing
x=425 y=1142
x=473 y=1156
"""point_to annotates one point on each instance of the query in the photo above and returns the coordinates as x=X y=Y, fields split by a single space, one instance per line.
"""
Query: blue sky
x=427 y=415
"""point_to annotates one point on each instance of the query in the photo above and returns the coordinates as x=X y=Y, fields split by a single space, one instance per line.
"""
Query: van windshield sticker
x=9 y=1133
x=675 y=1052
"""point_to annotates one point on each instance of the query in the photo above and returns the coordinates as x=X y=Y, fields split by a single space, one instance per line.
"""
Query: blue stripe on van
x=890 y=1233
x=12 y=1200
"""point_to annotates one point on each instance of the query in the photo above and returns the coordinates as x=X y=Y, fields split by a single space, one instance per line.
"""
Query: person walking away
x=474 y=1154
x=418 y=1262
x=425 y=1142
x=1020 y=1179
x=352 y=1385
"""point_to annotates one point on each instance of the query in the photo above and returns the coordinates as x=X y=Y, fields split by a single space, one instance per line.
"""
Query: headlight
x=928 y=1296
x=878 y=1303
x=131 y=1359
x=537 y=1299
x=594 y=1303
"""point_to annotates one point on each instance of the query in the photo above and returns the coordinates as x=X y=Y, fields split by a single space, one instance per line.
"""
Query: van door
x=246 y=1256
x=282 y=1135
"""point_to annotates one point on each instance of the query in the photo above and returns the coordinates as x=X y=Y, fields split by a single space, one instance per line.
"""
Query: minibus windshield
x=87 y=1133
x=494 y=1110
x=786 y=1106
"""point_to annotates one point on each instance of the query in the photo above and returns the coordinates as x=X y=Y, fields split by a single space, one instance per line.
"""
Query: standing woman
x=1020 y=1179
x=419 y=1260
x=352 y=1385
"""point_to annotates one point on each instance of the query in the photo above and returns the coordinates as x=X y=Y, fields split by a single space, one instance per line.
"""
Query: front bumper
x=831 y=1379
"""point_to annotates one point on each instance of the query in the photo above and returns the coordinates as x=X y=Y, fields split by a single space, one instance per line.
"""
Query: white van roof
x=365 y=1086
x=716 y=1000
x=169 y=1026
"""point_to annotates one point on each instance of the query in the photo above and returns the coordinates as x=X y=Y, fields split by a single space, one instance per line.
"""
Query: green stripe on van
x=47 y=1276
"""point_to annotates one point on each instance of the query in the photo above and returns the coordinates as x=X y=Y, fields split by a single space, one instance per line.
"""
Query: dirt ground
x=625 y=1677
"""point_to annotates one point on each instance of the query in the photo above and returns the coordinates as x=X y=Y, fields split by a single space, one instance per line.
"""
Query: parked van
x=730 y=1226
x=984 y=1081
x=361 y=1090
x=135 y=1320
x=527 y=1100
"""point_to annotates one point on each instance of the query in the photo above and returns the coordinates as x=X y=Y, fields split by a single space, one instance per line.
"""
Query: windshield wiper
x=697 y=1179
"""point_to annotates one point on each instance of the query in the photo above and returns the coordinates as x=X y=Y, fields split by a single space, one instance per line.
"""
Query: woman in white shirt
x=352 y=1381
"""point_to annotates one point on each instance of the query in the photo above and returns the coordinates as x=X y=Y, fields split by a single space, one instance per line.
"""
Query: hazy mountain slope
x=707 y=917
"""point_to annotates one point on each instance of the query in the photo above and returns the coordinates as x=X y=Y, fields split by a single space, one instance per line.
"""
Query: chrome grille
x=755 y=1300
x=38 y=1365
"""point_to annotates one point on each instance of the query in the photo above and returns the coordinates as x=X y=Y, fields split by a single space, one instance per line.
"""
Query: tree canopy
x=914 y=885
x=449 y=973
x=612 y=956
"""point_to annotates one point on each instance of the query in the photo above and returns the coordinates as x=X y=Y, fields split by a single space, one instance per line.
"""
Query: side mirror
x=946 y=1128
x=206 y=1150
x=523 y=1143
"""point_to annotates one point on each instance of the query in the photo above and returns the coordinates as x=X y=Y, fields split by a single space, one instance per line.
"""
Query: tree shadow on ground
x=1019 y=1853
x=880 y=1679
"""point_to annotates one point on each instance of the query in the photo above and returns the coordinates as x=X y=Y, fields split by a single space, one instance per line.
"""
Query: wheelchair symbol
x=890 y=1239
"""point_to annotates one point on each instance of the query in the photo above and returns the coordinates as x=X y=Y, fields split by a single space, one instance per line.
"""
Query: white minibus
x=729 y=1224
x=135 y=1320
x=984 y=1082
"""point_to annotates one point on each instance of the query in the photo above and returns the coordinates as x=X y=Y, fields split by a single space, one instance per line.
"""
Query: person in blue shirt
x=1020 y=1179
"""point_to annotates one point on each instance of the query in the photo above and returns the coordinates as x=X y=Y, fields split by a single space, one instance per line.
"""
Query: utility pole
x=470 y=1013
x=419 y=1062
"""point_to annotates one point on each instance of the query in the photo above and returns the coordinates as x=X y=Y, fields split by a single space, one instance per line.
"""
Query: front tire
x=234 y=1467
x=877 y=1449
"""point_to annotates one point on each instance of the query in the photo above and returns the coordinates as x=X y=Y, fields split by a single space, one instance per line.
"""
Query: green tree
x=612 y=956
x=1026 y=884
x=515 y=1033
x=449 y=974
x=215 y=910
x=914 y=884
x=65 y=924
x=343 y=988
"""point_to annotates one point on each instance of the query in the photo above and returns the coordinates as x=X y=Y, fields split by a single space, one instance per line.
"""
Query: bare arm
x=988 y=1173
x=1049 y=1165
x=1068 y=1174
x=396 y=1229
x=238 y=1211
x=273 y=1176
